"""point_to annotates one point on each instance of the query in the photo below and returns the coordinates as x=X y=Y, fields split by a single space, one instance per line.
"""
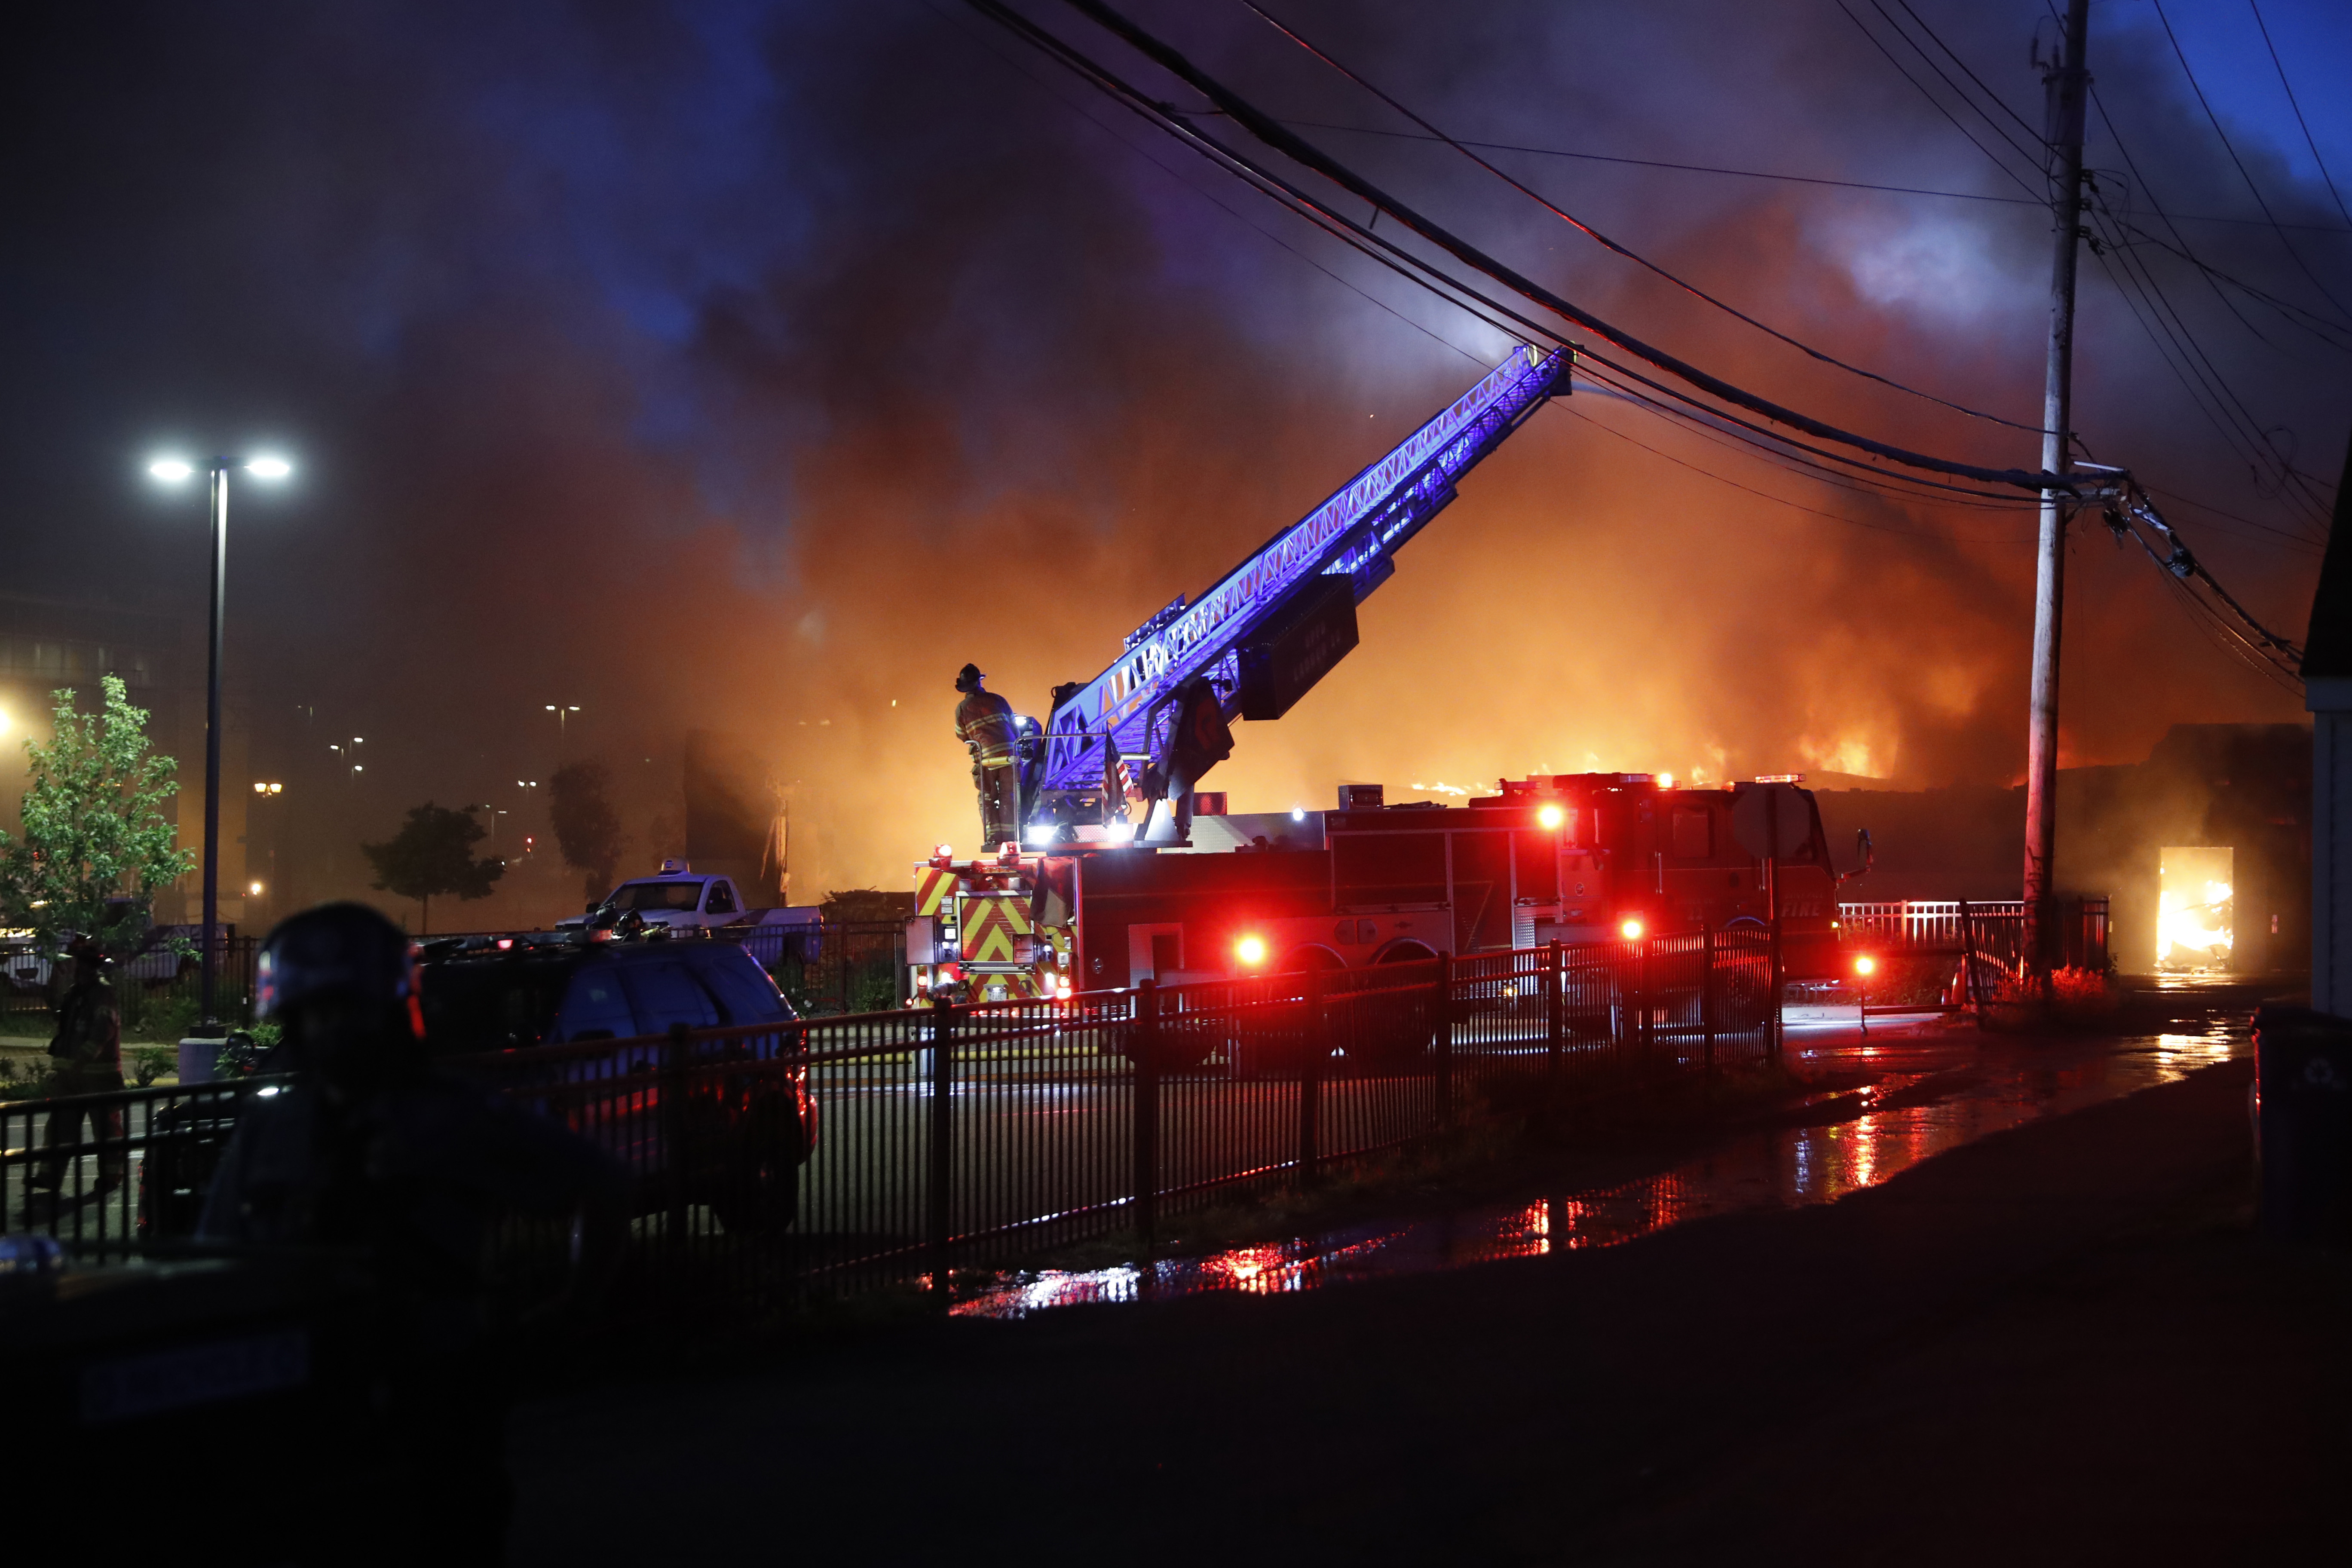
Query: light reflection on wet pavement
x=1935 y=1090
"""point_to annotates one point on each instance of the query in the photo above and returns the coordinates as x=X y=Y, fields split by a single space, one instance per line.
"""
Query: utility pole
x=2067 y=84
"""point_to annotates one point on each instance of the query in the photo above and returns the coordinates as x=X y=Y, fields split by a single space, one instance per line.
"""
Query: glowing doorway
x=2192 y=908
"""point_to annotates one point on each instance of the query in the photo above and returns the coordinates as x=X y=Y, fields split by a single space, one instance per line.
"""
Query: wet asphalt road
x=2054 y=1341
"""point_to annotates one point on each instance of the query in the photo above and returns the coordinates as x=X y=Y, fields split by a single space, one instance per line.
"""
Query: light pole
x=562 y=713
x=172 y=471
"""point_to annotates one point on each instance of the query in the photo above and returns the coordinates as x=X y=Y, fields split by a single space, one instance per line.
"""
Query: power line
x=1613 y=245
x=2139 y=183
x=1757 y=435
x=1999 y=102
x=1346 y=283
x=2295 y=315
x=2296 y=540
x=2194 y=368
x=1937 y=104
x=2326 y=178
x=2128 y=512
x=2036 y=201
x=1454 y=291
x=2132 y=166
x=2040 y=157
x=1447 y=287
x=1274 y=135
x=1734 y=439
x=1765 y=495
x=2243 y=173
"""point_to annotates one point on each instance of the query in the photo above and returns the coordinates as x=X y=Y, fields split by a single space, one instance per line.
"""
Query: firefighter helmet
x=969 y=677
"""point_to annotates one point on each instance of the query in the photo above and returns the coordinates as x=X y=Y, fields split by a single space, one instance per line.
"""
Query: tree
x=433 y=853
x=587 y=828
x=96 y=847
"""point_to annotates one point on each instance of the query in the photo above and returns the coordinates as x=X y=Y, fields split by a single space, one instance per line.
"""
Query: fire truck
x=1570 y=859
x=1126 y=870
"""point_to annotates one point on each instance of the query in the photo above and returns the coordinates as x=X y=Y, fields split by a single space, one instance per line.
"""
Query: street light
x=174 y=472
x=562 y=715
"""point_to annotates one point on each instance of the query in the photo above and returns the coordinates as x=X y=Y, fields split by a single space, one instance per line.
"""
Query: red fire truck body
x=1573 y=859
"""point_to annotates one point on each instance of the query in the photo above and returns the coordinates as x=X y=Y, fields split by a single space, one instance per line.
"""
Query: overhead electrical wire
x=1446 y=284
x=1999 y=102
x=2038 y=156
x=1702 y=469
x=1275 y=135
x=989 y=43
x=2185 y=342
x=1710 y=422
x=2296 y=540
x=1709 y=428
x=1611 y=245
x=2265 y=653
x=2309 y=140
x=2187 y=361
x=2130 y=513
x=2215 y=119
x=2294 y=315
x=1938 y=103
x=2026 y=201
x=2260 y=439
x=2140 y=185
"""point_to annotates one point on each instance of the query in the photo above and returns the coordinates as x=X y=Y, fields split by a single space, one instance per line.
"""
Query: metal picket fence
x=953 y=1136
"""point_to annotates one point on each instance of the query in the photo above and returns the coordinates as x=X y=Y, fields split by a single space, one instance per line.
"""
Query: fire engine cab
x=1571 y=858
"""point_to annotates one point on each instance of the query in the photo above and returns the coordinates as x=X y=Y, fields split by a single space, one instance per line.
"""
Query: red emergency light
x=1250 y=951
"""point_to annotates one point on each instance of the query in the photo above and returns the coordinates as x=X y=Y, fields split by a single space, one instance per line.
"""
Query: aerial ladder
x=1144 y=731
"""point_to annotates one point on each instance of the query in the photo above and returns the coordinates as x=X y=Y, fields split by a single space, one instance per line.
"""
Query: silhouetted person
x=984 y=723
x=87 y=1053
x=373 y=1152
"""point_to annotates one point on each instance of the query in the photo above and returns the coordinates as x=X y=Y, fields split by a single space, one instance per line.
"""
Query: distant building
x=2231 y=802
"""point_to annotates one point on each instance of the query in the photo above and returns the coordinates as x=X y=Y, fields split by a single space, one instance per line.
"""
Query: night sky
x=753 y=366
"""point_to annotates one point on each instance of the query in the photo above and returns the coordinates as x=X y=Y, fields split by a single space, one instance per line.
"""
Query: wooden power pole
x=2067 y=84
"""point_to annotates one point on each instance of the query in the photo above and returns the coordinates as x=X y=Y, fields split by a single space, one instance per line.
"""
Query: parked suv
x=744 y=1134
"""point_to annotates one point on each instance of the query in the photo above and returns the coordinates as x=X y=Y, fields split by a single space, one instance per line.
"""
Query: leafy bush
x=24 y=1079
x=149 y=1063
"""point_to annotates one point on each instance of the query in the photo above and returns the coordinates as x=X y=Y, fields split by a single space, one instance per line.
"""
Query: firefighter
x=371 y=1154
x=985 y=724
x=88 y=1052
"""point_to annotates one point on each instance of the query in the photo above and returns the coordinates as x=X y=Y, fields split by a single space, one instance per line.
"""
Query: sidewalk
x=2059 y=1343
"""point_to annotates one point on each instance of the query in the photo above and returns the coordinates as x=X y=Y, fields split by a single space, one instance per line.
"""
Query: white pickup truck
x=675 y=897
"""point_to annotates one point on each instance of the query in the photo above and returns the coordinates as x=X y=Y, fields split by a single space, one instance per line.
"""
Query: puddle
x=1934 y=1092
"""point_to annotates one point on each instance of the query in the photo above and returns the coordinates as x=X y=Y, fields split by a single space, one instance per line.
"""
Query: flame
x=2201 y=927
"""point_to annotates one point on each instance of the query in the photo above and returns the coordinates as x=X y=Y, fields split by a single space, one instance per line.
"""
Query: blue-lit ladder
x=1354 y=535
